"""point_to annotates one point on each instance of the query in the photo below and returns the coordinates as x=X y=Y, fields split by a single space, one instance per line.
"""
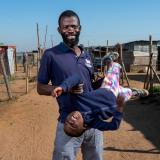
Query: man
x=57 y=64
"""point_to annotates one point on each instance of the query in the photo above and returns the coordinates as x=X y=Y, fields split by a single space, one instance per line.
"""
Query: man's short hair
x=68 y=13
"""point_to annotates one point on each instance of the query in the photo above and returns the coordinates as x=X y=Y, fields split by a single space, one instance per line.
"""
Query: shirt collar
x=65 y=49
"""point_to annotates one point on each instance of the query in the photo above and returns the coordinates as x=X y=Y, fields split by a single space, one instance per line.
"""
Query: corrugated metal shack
x=9 y=59
x=136 y=55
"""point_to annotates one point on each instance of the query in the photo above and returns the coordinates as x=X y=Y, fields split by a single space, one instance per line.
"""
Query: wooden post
x=121 y=59
x=29 y=71
x=15 y=60
x=151 y=54
x=88 y=47
x=154 y=71
x=38 y=46
x=26 y=77
x=107 y=48
x=148 y=83
x=45 y=37
x=100 y=54
x=123 y=67
x=51 y=40
x=4 y=73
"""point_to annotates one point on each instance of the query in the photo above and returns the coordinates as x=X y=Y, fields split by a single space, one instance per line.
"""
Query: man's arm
x=71 y=84
x=45 y=89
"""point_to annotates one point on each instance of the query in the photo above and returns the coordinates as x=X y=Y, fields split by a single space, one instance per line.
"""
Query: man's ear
x=80 y=27
x=58 y=29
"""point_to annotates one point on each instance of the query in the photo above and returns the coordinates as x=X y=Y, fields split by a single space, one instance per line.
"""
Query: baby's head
x=74 y=124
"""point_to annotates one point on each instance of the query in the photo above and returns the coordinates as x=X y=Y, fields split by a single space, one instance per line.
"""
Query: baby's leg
x=125 y=91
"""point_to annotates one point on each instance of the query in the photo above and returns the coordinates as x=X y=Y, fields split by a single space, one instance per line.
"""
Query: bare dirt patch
x=28 y=123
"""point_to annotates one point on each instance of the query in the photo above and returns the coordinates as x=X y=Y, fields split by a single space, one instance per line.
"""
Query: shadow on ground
x=141 y=77
x=144 y=116
x=151 y=151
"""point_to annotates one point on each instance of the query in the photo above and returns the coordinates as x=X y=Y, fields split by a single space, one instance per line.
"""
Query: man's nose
x=70 y=29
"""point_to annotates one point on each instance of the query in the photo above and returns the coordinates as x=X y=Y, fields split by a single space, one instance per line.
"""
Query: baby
x=91 y=108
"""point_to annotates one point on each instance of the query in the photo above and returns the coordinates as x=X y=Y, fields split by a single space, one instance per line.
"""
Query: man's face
x=70 y=30
x=74 y=124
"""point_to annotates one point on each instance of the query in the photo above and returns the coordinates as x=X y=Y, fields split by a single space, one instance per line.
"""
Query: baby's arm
x=67 y=85
x=104 y=126
x=116 y=119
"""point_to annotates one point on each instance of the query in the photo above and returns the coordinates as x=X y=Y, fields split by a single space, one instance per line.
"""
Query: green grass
x=155 y=89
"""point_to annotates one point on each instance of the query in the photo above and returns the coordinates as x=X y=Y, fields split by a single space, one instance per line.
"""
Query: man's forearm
x=45 y=89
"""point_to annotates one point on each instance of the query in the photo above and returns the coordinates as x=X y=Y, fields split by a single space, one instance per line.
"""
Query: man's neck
x=75 y=49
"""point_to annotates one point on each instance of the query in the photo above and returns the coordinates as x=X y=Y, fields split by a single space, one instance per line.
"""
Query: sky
x=117 y=21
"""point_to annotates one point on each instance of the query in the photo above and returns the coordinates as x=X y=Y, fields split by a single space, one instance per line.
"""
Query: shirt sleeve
x=104 y=126
x=70 y=82
x=44 y=74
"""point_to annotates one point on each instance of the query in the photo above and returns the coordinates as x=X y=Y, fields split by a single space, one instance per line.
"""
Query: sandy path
x=27 y=130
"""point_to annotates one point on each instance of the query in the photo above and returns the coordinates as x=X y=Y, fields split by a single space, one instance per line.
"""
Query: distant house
x=136 y=55
x=98 y=53
x=31 y=56
x=9 y=59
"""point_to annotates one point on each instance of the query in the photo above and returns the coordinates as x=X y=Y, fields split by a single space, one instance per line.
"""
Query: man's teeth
x=71 y=37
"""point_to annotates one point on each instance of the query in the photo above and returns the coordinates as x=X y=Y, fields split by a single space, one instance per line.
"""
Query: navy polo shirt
x=60 y=62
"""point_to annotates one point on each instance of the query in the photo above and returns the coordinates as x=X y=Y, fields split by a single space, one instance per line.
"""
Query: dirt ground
x=28 y=124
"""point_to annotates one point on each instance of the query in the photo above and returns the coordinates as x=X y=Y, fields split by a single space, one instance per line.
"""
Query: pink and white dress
x=111 y=81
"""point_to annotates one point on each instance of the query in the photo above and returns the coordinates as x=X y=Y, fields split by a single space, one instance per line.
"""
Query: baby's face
x=74 y=123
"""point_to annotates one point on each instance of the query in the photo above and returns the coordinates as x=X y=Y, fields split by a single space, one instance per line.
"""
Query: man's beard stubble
x=70 y=42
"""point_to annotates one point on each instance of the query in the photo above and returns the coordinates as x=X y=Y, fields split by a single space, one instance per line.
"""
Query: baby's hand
x=120 y=102
x=57 y=91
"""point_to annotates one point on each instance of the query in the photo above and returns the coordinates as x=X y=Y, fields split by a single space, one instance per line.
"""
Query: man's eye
x=71 y=26
x=65 y=27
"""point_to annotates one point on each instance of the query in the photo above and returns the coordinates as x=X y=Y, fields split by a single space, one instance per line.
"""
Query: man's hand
x=120 y=102
x=57 y=91
x=77 y=89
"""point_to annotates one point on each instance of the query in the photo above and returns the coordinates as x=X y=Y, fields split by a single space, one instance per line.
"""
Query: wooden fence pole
x=150 y=53
x=45 y=37
x=51 y=40
x=39 y=50
x=123 y=67
x=4 y=74
x=26 y=77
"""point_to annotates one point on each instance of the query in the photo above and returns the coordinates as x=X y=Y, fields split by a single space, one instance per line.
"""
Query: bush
x=155 y=89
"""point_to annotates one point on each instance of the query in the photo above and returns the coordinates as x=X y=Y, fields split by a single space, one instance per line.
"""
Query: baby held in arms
x=91 y=109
